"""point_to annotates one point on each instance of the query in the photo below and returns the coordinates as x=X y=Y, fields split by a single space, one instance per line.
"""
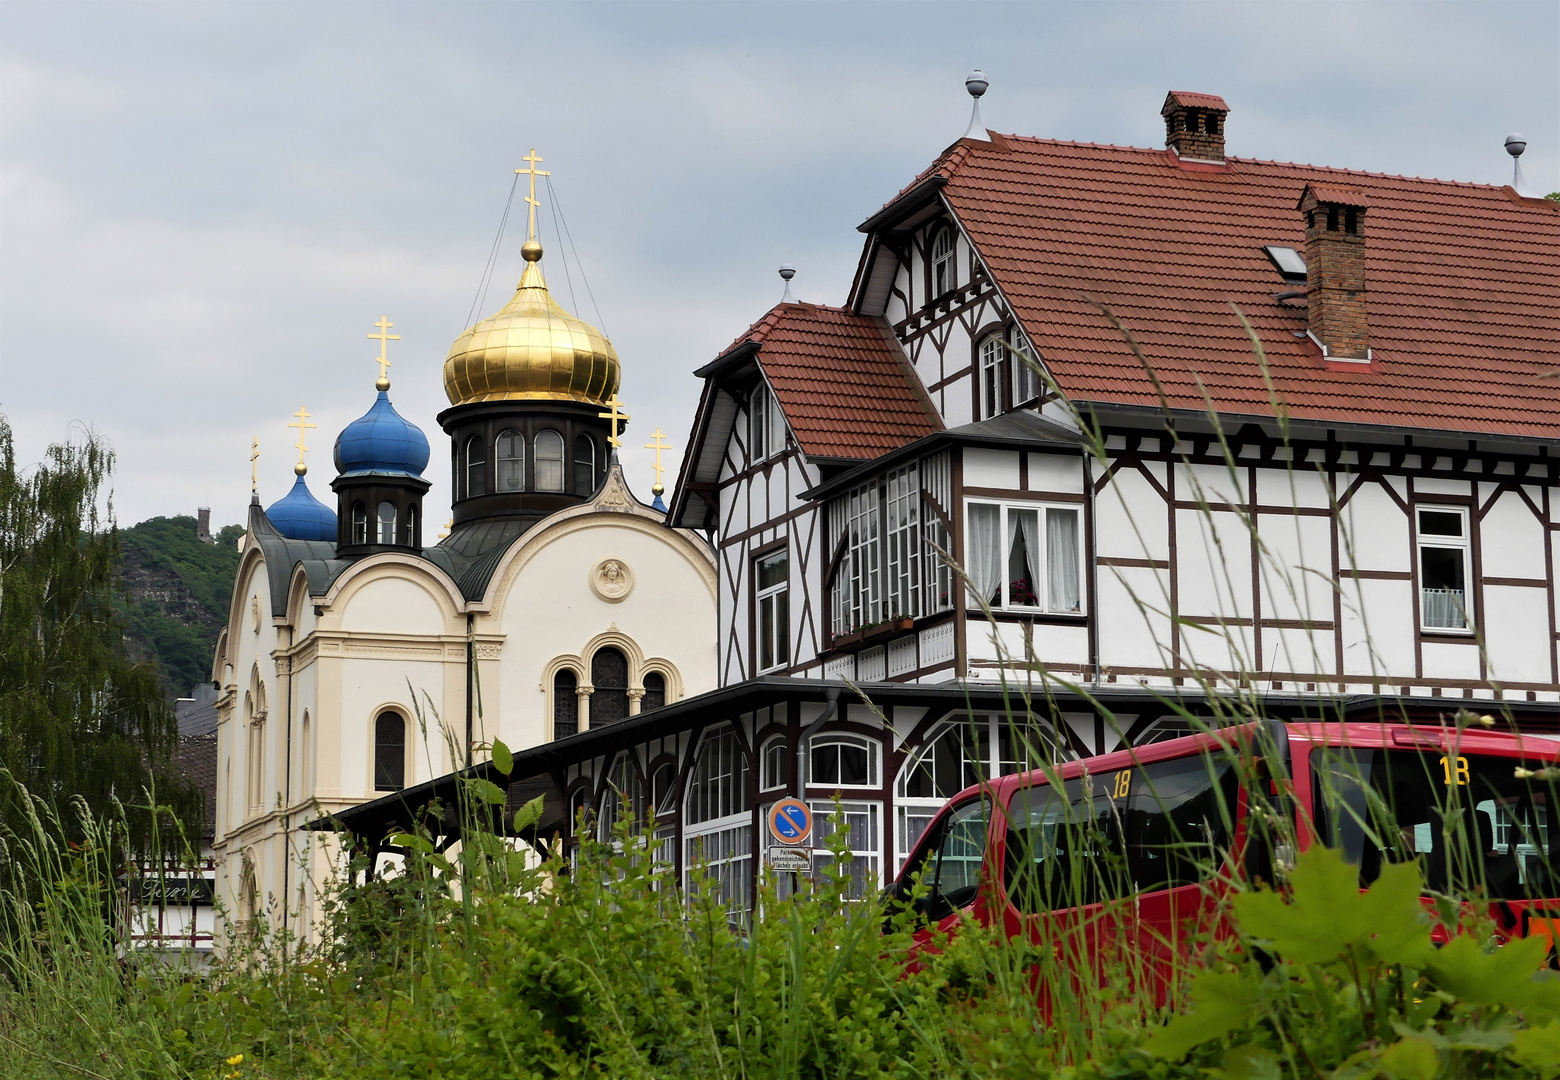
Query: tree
x=77 y=716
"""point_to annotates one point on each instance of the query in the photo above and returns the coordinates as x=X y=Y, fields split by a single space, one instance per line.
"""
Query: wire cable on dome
x=492 y=259
x=552 y=204
x=600 y=322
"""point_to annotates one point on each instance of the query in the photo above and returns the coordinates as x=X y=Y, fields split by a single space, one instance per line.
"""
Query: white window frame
x=902 y=532
x=724 y=841
x=513 y=463
x=1027 y=384
x=766 y=425
x=921 y=809
x=1045 y=605
x=992 y=350
x=1463 y=545
x=772 y=612
x=383 y=527
x=945 y=250
x=774 y=764
x=538 y=461
x=874 y=750
x=866 y=814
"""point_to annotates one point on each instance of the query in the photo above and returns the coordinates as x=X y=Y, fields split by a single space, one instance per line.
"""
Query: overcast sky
x=205 y=207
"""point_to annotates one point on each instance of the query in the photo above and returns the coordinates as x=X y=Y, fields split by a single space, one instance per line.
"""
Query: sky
x=204 y=208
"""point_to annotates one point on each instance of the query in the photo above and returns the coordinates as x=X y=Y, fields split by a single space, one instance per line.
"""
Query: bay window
x=1024 y=557
x=1445 y=567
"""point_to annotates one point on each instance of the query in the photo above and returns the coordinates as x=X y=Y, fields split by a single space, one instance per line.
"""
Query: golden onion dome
x=532 y=350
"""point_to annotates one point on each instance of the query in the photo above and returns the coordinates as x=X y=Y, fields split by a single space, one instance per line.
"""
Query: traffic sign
x=790 y=859
x=790 y=821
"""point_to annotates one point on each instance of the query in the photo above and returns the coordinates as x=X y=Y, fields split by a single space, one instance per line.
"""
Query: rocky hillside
x=177 y=591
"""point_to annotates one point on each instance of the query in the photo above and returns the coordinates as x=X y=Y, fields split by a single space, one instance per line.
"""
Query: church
x=1103 y=443
x=359 y=660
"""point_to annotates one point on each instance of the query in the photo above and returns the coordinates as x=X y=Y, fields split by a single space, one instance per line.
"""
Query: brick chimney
x=1194 y=125
x=1335 y=270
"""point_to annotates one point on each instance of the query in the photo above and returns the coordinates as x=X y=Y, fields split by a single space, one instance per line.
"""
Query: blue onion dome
x=298 y=515
x=381 y=441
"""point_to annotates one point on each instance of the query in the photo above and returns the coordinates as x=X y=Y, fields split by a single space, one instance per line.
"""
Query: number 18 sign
x=790 y=821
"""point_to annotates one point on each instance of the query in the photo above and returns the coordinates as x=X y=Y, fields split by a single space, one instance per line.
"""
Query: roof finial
x=303 y=426
x=658 y=444
x=1515 y=144
x=976 y=84
x=384 y=337
x=615 y=419
x=254 y=467
x=787 y=272
x=532 y=160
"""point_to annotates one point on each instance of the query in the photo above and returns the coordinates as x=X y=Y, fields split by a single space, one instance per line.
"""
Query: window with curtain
x=549 y=461
x=943 y=276
x=389 y=751
x=509 y=457
x=387 y=523
x=992 y=350
x=1445 y=562
x=1024 y=556
x=566 y=704
x=359 y=523
x=609 y=687
x=475 y=463
x=584 y=465
x=655 y=691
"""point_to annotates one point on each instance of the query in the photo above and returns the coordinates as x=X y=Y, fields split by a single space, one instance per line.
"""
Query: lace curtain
x=985 y=554
x=1061 y=535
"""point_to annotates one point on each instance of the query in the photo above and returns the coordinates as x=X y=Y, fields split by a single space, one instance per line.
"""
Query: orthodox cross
x=658 y=445
x=616 y=416
x=254 y=466
x=532 y=160
x=384 y=337
x=303 y=425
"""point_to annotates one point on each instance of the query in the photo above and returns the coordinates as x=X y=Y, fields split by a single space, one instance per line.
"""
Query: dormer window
x=766 y=426
x=1289 y=262
x=942 y=262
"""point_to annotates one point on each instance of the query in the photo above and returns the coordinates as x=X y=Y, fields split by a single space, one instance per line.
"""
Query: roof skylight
x=1290 y=262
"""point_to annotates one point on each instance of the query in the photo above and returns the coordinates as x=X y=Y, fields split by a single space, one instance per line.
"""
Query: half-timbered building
x=1100 y=438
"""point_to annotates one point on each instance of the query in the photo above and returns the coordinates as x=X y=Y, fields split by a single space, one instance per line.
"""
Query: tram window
x=1470 y=822
x=950 y=861
x=1178 y=820
x=1064 y=848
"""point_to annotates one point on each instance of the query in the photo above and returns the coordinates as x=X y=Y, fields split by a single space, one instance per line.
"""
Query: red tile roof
x=1331 y=193
x=1463 y=284
x=845 y=388
x=1189 y=99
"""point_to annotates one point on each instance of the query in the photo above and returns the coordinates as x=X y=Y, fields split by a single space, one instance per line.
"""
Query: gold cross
x=532 y=160
x=303 y=426
x=658 y=445
x=615 y=416
x=254 y=467
x=384 y=337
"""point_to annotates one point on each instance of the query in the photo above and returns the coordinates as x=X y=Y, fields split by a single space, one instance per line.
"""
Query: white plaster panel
x=1218 y=648
x=392 y=605
x=1295 y=567
x=1436 y=485
x=1451 y=660
x=955 y=400
x=1213 y=563
x=1512 y=539
x=1373 y=532
x=1130 y=519
x=1209 y=483
x=367 y=687
x=980 y=639
x=1132 y=608
x=1060 y=644
x=1517 y=636
x=1056 y=472
x=1307 y=652
x=1301 y=485
x=990 y=469
x=1378 y=628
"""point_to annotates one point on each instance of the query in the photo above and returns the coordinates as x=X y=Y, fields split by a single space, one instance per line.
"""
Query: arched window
x=510 y=457
x=566 y=704
x=389 y=751
x=306 y=755
x=655 y=691
x=387 y=523
x=584 y=465
x=992 y=351
x=549 y=461
x=841 y=761
x=474 y=466
x=359 y=523
x=718 y=824
x=943 y=277
x=774 y=764
x=609 y=687
x=622 y=783
x=663 y=791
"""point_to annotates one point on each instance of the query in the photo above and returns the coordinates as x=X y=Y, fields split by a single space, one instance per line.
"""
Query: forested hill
x=178 y=591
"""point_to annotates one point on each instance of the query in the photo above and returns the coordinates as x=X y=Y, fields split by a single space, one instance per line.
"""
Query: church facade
x=1104 y=441
x=358 y=662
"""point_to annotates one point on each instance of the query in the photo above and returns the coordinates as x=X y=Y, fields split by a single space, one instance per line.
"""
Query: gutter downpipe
x=1094 y=567
x=470 y=658
x=287 y=786
x=832 y=694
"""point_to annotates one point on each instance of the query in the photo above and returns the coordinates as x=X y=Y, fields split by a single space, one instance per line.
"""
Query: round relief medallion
x=612 y=580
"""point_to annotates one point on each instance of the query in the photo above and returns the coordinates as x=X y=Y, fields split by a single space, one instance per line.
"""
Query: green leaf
x=530 y=813
x=1503 y=977
x=1223 y=1002
x=487 y=791
x=1467 y=1037
x=412 y=841
x=1328 y=914
x=1539 y=1049
x=1248 y=1062
x=1411 y=1058
x=503 y=760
